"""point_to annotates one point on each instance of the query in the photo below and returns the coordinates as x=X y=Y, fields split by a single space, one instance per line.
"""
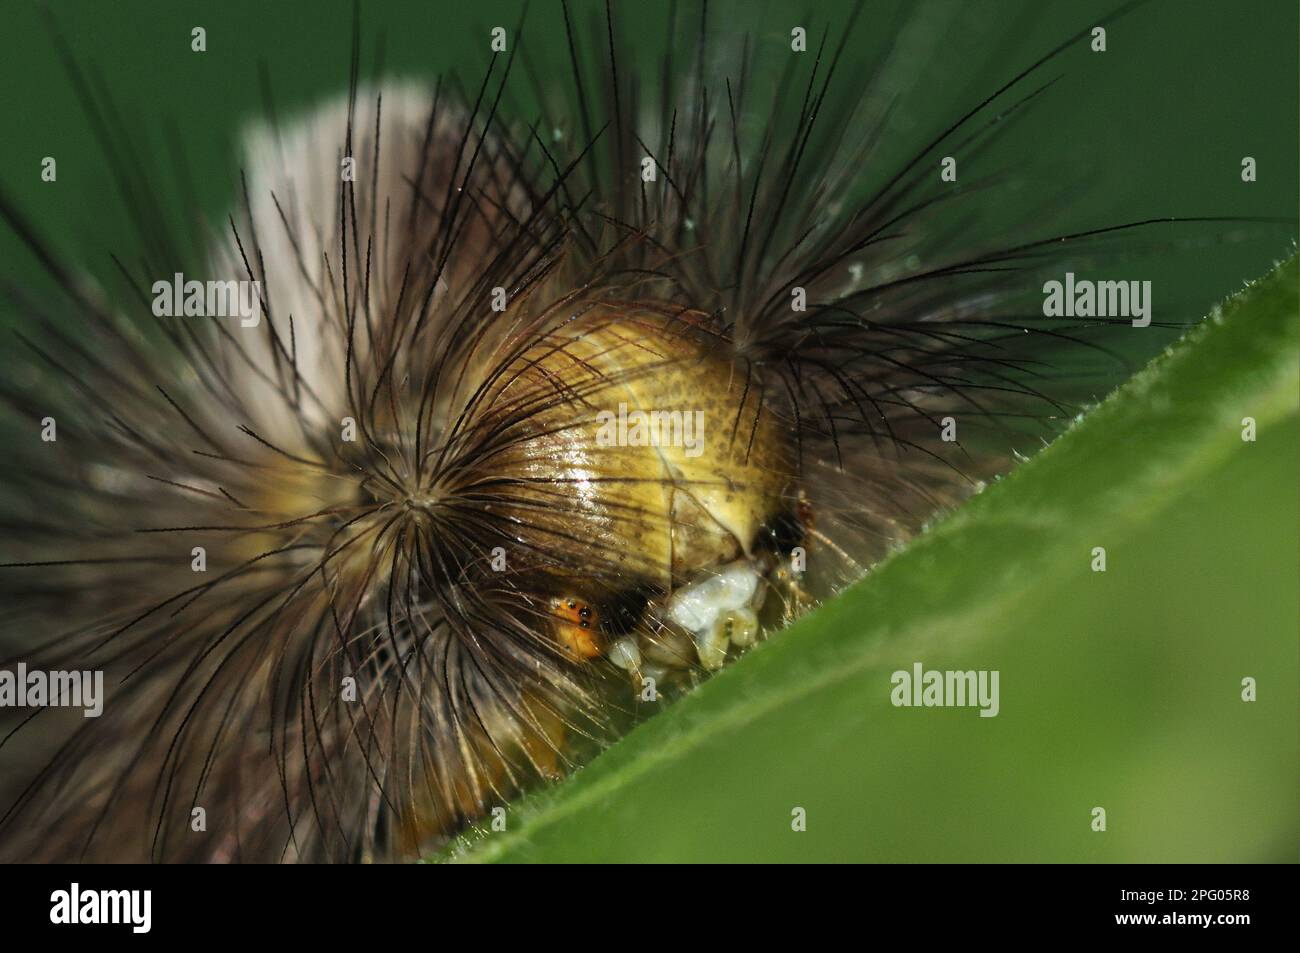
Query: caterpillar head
x=519 y=444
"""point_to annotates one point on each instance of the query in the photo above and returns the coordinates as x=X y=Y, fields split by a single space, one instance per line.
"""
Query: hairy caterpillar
x=427 y=581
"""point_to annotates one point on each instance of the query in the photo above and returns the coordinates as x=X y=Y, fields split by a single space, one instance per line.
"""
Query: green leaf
x=1119 y=689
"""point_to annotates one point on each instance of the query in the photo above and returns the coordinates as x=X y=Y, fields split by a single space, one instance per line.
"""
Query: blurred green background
x=1118 y=689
